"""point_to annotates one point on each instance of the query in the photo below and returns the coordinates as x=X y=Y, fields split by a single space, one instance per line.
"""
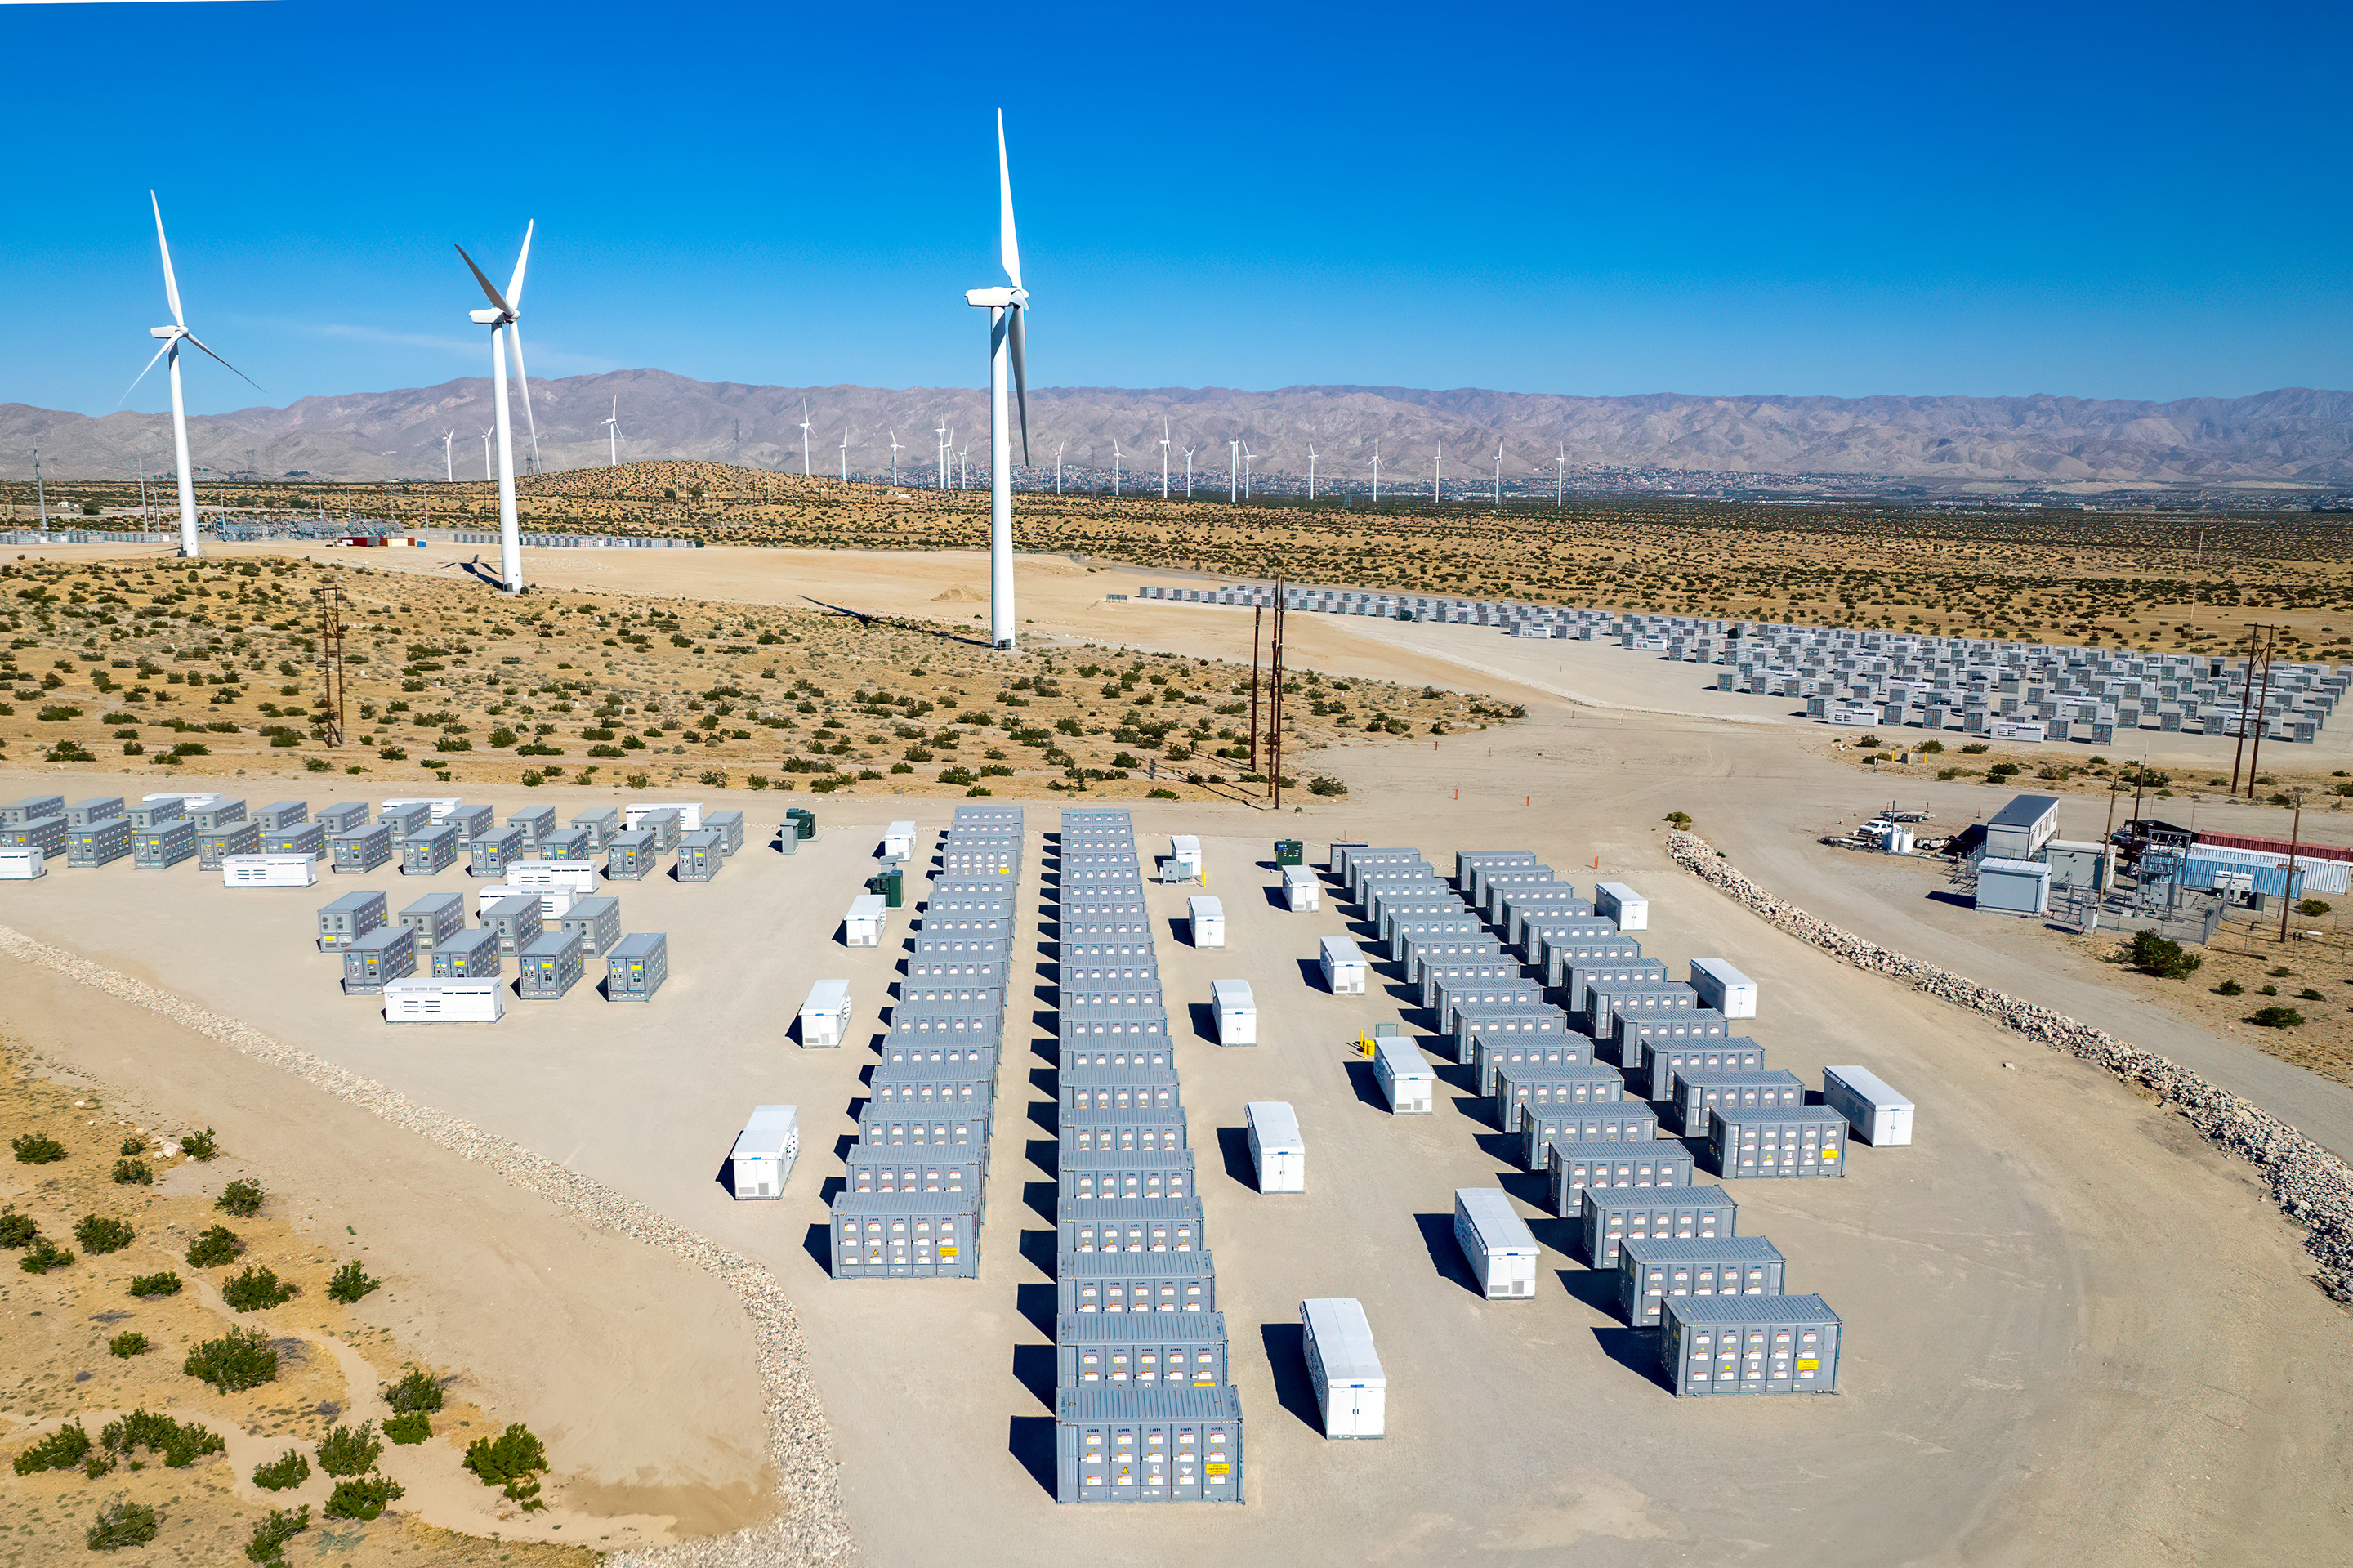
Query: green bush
x=363 y=1499
x=60 y=1450
x=2308 y=994
x=414 y=1427
x=1160 y=795
x=199 y=1145
x=2276 y=1018
x=180 y=1445
x=509 y=1460
x=2312 y=908
x=218 y=1246
x=37 y=1149
x=2230 y=988
x=241 y=1358
x=134 y=1173
x=271 y=1536
x=415 y=1391
x=242 y=1198
x=2160 y=956
x=18 y=1230
x=1930 y=747
x=42 y=1255
x=1322 y=784
x=289 y=1470
x=127 y=1345
x=351 y=1282
x=121 y=1524
x=1974 y=748
x=155 y=1285
x=350 y=1450
x=133 y=1146
x=255 y=1289
x=99 y=1235
x=1679 y=821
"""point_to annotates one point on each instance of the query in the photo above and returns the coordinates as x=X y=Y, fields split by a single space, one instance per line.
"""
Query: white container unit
x=269 y=870
x=1276 y=1149
x=1343 y=967
x=825 y=1016
x=1880 y=1117
x=578 y=876
x=1300 y=890
x=437 y=807
x=899 y=841
x=1623 y=905
x=862 y=927
x=1723 y=988
x=690 y=814
x=1237 y=1012
x=1184 y=862
x=1351 y=1390
x=22 y=863
x=1496 y=1243
x=422 y=1001
x=1403 y=1075
x=762 y=1161
x=1206 y=918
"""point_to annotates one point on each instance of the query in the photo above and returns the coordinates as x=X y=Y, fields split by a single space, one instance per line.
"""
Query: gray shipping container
x=157 y=814
x=1629 y=1121
x=490 y=854
x=1649 y=1272
x=1443 y=979
x=632 y=855
x=430 y=852
x=572 y=845
x=1663 y=1059
x=216 y=845
x=1793 y=1140
x=97 y=809
x=912 y=1091
x=471 y=952
x=516 y=921
x=1552 y=950
x=1573 y=1165
x=537 y=822
x=435 y=917
x=549 y=967
x=1118 y=1089
x=101 y=843
x=301 y=838
x=970 y=1050
x=1466 y=859
x=666 y=826
x=279 y=815
x=1140 y=1224
x=728 y=826
x=1488 y=1053
x=943 y=1133
x=1499 y=1021
x=635 y=969
x=1136 y=1282
x=343 y=922
x=596 y=921
x=358 y=852
x=47 y=834
x=1144 y=1444
x=31 y=809
x=1695 y=1093
x=1749 y=1344
x=886 y=1171
x=1143 y=1054
x=1539 y=1088
x=1115 y=1349
x=1610 y=1215
x=1634 y=1030
x=219 y=815
x=344 y=817
x=600 y=825
x=701 y=854
x=1578 y=979
x=473 y=822
x=1124 y=1132
x=906 y=1235
x=1111 y=1178
x=406 y=821
x=385 y=953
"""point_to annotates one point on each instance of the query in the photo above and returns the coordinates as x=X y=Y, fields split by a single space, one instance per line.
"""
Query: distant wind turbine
x=488 y=431
x=613 y=432
x=501 y=318
x=1246 y=471
x=1311 y=471
x=170 y=354
x=1234 y=478
x=1164 y=456
x=1188 y=473
x=1115 y=455
x=941 y=431
x=1058 y=467
x=1433 y=470
x=1560 y=480
x=448 y=465
x=1376 y=468
x=845 y=454
x=1006 y=306
x=805 y=439
x=1499 y=473
x=895 y=450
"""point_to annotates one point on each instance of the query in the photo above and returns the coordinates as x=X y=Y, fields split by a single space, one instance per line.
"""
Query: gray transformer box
x=549 y=967
x=1140 y=1444
x=357 y=853
x=635 y=969
x=596 y=921
x=435 y=919
x=343 y=922
x=469 y=953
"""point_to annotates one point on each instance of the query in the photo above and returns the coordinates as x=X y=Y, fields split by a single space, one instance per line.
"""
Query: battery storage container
x=943 y=1133
x=1088 y=1179
x=215 y=845
x=568 y=846
x=600 y=825
x=385 y=953
x=430 y=852
x=762 y=1161
x=434 y=918
x=1496 y=1243
x=1095 y=1089
x=152 y=814
x=910 y=1171
x=596 y=921
x=1123 y=1132
x=357 y=853
x=1490 y=1055
x=348 y=919
x=905 y=1235
x=1572 y=1166
x=549 y=967
x=1650 y=1273
x=1794 y=1141
x=490 y=855
x=1140 y=1224
x=1879 y=1115
x=516 y=921
x=466 y=953
x=1749 y=1344
x=100 y=843
x=1277 y=1151
x=632 y=855
x=97 y=809
x=1629 y=1121
x=1351 y=1389
x=1404 y=1076
x=47 y=834
x=536 y=823
x=1535 y=1088
x=1140 y=1444
x=1116 y=1349
x=1610 y=1215
x=471 y=822
x=701 y=854
x=296 y=838
x=728 y=825
x=1498 y=1023
x=635 y=969
x=405 y=820
x=279 y=815
x=1695 y=1095
x=344 y=817
x=440 y=1000
x=162 y=847
x=32 y=809
x=1663 y=1059
x=1111 y=1282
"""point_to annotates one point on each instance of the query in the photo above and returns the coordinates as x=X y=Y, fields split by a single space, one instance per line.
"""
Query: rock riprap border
x=2312 y=1186
x=800 y=1442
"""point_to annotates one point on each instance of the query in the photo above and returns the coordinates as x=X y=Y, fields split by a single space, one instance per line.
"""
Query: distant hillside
x=2292 y=435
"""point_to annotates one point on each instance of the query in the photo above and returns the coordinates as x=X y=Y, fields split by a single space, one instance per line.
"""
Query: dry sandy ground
x=2033 y=1373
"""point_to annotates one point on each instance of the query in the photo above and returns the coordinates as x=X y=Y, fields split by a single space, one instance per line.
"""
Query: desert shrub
x=2230 y=988
x=1322 y=784
x=364 y=1499
x=180 y=1445
x=2267 y=990
x=99 y=1234
x=1868 y=741
x=2312 y=908
x=218 y=1245
x=242 y=1198
x=255 y=1289
x=2307 y=994
x=350 y=1283
x=289 y=1470
x=37 y=1149
x=241 y=1358
x=1160 y=795
x=350 y=1450
x=2161 y=956
x=60 y=1450
x=1974 y=748
x=42 y=1255
x=199 y=1145
x=127 y=1345
x=2276 y=1018
x=121 y=1524
x=134 y=1173
x=133 y=1146
x=509 y=1460
x=155 y=1285
x=415 y=1391
x=18 y=1230
x=271 y=1536
x=1930 y=747
x=414 y=1427
x=1679 y=821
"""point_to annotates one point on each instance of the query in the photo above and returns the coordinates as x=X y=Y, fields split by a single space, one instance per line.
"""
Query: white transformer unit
x=1343 y=967
x=422 y=1001
x=1184 y=862
x=825 y=1016
x=1300 y=890
x=1496 y=1243
x=1351 y=1390
x=1275 y=1146
x=862 y=927
x=1723 y=988
x=899 y=841
x=21 y=862
x=1880 y=1117
x=437 y=807
x=762 y=1161
x=554 y=902
x=1237 y=1012
x=269 y=870
x=690 y=814
x=1403 y=1075
x=193 y=802
x=1206 y=918
x=1623 y=905
x=578 y=876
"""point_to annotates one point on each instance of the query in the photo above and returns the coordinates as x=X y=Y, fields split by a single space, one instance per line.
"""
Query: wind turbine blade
x=143 y=375
x=514 y=289
x=171 y=284
x=240 y=375
x=514 y=333
x=1009 y=248
x=1020 y=375
x=488 y=288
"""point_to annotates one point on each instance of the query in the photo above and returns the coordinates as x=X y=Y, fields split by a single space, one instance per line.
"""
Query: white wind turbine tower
x=448 y=464
x=1188 y=473
x=895 y=450
x=1376 y=468
x=1164 y=456
x=1433 y=470
x=1057 y=466
x=613 y=432
x=1499 y=473
x=1311 y=471
x=941 y=431
x=503 y=316
x=805 y=439
x=1005 y=307
x=1246 y=471
x=1234 y=474
x=170 y=353
x=1560 y=480
x=845 y=454
x=1115 y=455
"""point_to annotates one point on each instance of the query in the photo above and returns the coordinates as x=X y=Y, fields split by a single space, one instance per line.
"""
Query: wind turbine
x=1234 y=478
x=487 y=430
x=170 y=353
x=613 y=432
x=805 y=439
x=1115 y=455
x=1246 y=471
x=1058 y=467
x=1376 y=468
x=1499 y=473
x=448 y=464
x=845 y=454
x=1164 y=456
x=1560 y=480
x=1188 y=473
x=1311 y=471
x=505 y=313
x=1433 y=470
x=1005 y=307
x=941 y=432
x=895 y=450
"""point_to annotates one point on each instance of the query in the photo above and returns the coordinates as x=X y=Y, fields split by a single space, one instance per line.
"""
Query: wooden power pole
x=330 y=595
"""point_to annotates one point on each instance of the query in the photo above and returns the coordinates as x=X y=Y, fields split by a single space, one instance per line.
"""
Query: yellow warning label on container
x=948 y=1252
x=1830 y=1154
x=1217 y=1470
x=1807 y=1366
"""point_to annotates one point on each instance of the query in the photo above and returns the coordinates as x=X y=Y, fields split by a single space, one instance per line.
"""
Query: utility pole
x=2246 y=690
x=1257 y=616
x=2295 y=834
x=330 y=595
x=40 y=492
x=2263 y=701
x=1274 y=701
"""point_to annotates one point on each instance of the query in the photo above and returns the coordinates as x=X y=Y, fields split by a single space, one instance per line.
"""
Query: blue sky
x=2100 y=200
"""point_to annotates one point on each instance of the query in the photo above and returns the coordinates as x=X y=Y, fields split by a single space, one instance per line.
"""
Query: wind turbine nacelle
x=486 y=318
x=994 y=299
x=169 y=332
